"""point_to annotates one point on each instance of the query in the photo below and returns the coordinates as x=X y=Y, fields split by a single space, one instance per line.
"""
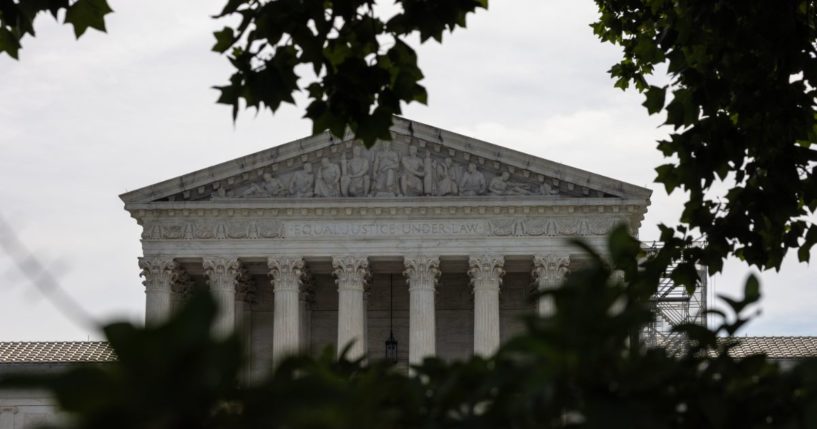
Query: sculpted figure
x=270 y=187
x=472 y=182
x=501 y=186
x=547 y=189
x=414 y=173
x=447 y=182
x=454 y=170
x=302 y=183
x=327 y=180
x=355 y=181
x=386 y=164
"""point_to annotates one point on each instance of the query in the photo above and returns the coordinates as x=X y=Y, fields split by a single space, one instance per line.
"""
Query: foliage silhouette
x=577 y=368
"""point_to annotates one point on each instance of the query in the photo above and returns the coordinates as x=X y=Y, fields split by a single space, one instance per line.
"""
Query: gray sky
x=82 y=122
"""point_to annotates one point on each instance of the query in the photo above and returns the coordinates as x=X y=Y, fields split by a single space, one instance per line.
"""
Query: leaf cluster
x=17 y=18
x=580 y=367
x=741 y=104
x=363 y=65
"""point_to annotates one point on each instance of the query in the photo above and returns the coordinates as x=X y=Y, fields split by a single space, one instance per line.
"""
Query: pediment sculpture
x=390 y=169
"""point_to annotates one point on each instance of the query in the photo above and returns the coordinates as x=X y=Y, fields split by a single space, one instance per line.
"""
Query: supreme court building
x=321 y=242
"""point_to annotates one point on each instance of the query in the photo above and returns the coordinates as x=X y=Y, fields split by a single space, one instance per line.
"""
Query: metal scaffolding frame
x=674 y=305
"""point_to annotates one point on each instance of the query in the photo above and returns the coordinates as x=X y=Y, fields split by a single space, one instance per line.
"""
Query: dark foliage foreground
x=579 y=368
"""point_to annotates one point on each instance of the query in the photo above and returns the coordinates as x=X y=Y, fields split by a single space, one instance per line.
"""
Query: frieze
x=404 y=167
x=385 y=229
x=242 y=229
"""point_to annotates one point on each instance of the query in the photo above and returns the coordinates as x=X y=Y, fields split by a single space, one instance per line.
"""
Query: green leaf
x=224 y=39
x=9 y=44
x=654 y=101
x=751 y=290
x=86 y=14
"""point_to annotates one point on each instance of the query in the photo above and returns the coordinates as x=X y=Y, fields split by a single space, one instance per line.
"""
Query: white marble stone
x=486 y=273
x=422 y=273
x=222 y=276
x=287 y=275
x=549 y=272
x=352 y=274
x=339 y=207
x=158 y=272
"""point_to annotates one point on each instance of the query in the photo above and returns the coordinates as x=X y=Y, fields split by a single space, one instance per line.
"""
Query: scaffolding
x=674 y=305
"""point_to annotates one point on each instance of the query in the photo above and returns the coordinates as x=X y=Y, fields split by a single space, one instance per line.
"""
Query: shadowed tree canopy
x=575 y=369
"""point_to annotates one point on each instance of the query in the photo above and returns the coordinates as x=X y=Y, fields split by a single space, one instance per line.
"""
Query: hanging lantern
x=391 y=348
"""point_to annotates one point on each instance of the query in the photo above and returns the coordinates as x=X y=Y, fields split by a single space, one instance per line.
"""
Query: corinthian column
x=352 y=273
x=549 y=272
x=159 y=273
x=287 y=277
x=486 y=276
x=222 y=275
x=421 y=273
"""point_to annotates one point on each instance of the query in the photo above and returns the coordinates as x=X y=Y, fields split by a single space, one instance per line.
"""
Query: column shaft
x=422 y=273
x=287 y=277
x=351 y=275
x=159 y=272
x=549 y=272
x=486 y=275
x=222 y=275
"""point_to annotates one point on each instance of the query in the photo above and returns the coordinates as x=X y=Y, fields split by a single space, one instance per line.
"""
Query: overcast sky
x=82 y=122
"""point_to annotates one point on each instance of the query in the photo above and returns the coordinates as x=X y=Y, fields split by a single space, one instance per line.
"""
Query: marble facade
x=299 y=243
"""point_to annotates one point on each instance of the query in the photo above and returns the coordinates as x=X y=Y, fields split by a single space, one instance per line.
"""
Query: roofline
x=402 y=126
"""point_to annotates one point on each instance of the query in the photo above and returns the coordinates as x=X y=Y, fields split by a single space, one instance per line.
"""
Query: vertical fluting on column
x=549 y=272
x=159 y=273
x=287 y=274
x=222 y=277
x=352 y=274
x=422 y=273
x=486 y=275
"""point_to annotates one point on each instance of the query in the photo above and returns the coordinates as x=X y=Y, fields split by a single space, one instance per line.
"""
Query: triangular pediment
x=420 y=161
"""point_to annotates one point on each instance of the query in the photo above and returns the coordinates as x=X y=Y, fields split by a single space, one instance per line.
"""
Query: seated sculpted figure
x=501 y=186
x=270 y=187
x=414 y=172
x=302 y=184
x=386 y=164
x=327 y=180
x=472 y=182
x=355 y=179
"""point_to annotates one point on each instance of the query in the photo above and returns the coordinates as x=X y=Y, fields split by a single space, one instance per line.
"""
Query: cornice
x=300 y=150
x=386 y=208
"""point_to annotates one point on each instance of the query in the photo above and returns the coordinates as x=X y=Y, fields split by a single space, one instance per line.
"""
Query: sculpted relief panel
x=403 y=167
x=225 y=229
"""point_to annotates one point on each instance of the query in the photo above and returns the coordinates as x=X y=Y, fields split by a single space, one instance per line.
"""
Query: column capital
x=422 y=272
x=550 y=268
x=159 y=271
x=352 y=272
x=287 y=272
x=486 y=271
x=222 y=271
